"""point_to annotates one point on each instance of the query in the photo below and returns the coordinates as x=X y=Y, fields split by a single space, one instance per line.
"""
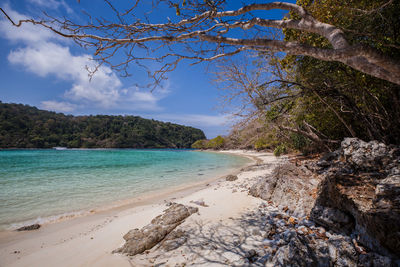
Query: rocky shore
x=338 y=210
x=341 y=209
x=352 y=195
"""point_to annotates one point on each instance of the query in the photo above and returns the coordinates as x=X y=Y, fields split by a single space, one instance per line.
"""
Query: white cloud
x=27 y=33
x=53 y=59
x=52 y=4
x=44 y=57
x=197 y=119
x=58 y=106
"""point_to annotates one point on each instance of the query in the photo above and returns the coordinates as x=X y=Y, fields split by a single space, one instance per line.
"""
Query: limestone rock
x=290 y=186
x=333 y=219
x=251 y=255
x=366 y=155
x=388 y=193
x=138 y=241
x=231 y=177
x=305 y=251
x=363 y=190
x=357 y=192
x=373 y=259
x=174 y=240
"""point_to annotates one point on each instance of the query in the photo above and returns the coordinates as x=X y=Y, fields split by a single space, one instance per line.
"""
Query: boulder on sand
x=138 y=241
x=231 y=177
x=29 y=227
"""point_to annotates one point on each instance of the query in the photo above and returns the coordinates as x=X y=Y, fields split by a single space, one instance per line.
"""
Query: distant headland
x=23 y=126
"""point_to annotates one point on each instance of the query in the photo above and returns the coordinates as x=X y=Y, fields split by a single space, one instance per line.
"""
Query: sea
x=45 y=185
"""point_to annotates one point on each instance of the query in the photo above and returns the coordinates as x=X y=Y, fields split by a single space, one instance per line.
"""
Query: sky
x=41 y=69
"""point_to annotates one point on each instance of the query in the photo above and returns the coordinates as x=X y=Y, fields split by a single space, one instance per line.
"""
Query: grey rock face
x=388 y=192
x=138 y=241
x=296 y=253
x=357 y=193
x=333 y=219
x=373 y=259
x=364 y=185
x=289 y=185
x=366 y=155
x=304 y=251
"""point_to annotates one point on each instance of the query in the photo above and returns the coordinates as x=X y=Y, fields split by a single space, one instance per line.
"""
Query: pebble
x=292 y=220
x=256 y=232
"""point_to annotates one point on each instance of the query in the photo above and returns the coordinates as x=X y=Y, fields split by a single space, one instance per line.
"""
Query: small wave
x=50 y=219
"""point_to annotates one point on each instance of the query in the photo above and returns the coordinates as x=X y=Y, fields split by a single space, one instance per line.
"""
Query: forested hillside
x=23 y=126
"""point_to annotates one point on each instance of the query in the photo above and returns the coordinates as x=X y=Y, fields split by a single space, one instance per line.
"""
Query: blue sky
x=41 y=69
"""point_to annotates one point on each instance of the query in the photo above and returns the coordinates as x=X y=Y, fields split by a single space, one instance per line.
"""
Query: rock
x=256 y=232
x=330 y=156
x=200 y=203
x=289 y=186
x=29 y=227
x=366 y=156
x=361 y=195
x=388 y=193
x=138 y=241
x=342 y=251
x=251 y=255
x=323 y=163
x=373 y=259
x=174 y=240
x=231 y=177
x=176 y=213
x=354 y=191
x=333 y=219
x=292 y=220
x=306 y=251
x=326 y=160
x=296 y=253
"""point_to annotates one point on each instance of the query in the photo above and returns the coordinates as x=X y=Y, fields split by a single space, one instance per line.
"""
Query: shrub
x=216 y=143
x=200 y=144
x=279 y=150
x=260 y=144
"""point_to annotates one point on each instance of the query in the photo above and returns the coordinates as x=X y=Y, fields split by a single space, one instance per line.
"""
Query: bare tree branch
x=207 y=36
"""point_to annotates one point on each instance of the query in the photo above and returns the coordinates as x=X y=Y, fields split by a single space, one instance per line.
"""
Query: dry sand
x=89 y=240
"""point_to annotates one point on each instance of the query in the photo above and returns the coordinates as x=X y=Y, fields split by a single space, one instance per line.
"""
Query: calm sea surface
x=42 y=185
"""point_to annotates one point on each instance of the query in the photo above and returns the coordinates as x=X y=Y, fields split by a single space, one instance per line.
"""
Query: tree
x=206 y=31
x=25 y=126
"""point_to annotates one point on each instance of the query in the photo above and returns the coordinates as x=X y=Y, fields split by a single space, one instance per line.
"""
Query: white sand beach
x=90 y=240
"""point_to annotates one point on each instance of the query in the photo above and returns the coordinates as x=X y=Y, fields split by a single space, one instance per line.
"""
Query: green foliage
x=22 y=126
x=336 y=100
x=280 y=150
x=216 y=143
x=317 y=103
x=299 y=142
x=200 y=144
x=261 y=144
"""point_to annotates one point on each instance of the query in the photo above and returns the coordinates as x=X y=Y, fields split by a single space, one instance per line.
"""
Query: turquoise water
x=40 y=185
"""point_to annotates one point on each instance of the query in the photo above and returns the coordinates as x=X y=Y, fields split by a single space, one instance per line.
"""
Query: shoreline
x=15 y=246
x=143 y=198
